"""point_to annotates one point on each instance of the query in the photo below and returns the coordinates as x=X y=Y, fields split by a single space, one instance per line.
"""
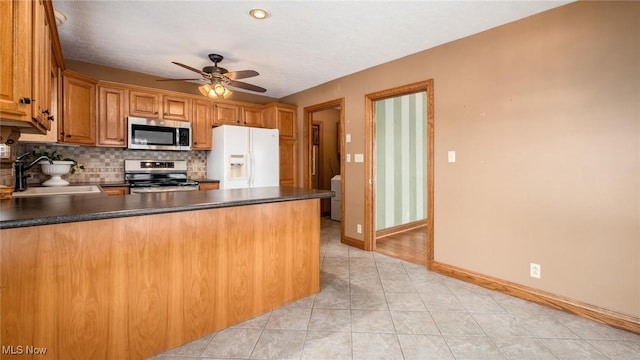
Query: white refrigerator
x=243 y=157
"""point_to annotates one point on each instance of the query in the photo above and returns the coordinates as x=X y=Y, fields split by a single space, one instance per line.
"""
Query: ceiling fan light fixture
x=219 y=89
x=259 y=14
x=215 y=92
x=205 y=89
x=226 y=93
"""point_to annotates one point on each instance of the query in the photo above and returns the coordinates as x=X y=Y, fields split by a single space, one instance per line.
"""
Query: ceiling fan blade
x=244 y=85
x=192 y=69
x=178 y=79
x=242 y=74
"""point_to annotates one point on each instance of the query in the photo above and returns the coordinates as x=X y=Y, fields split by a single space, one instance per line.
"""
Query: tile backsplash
x=101 y=164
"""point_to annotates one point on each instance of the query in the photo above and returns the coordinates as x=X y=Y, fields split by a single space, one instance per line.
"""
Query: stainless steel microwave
x=157 y=134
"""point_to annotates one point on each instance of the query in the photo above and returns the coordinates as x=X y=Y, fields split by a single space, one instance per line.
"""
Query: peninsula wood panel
x=133 y=287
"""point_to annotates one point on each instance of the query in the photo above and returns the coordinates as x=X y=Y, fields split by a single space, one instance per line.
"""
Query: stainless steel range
x=144 y=176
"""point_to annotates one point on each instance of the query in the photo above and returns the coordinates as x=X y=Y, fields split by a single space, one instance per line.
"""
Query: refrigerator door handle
x=251 y=159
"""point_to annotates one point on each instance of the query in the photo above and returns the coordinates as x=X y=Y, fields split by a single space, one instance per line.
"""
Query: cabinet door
x=226 y=114
x=252 y=116
x=15 y=62
x=47 y=68
x=286 y=123
x=41 y=67
x=112 y=118
x=288 y=162
x=201 y=125
x=144 y=104
x=78 y=110
x=116 y=190
x=176 y=107
x=208 y=186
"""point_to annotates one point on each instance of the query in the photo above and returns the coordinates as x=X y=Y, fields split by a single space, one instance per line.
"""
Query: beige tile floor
x=372 y=306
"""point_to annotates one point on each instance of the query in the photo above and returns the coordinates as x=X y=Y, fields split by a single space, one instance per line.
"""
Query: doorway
x=399 y=165
x=323 y=126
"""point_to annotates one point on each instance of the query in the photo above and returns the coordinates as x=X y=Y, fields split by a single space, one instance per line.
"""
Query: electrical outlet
x=359 y=229
x=535 y=270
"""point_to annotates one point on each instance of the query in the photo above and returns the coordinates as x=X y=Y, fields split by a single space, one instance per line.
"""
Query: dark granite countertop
x=45 y=210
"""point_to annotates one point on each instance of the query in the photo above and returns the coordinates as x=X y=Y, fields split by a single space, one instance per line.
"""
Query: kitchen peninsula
x=126 y=277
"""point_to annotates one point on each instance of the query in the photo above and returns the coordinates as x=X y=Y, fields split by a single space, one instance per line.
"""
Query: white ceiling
x=301 y=45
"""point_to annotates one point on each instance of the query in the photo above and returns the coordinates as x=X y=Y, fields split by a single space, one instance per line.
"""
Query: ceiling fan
x=220 y=77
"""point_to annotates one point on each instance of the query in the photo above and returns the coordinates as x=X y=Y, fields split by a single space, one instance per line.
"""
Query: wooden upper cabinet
x=241 y=114
x=41 y=111
x=283 y=118
x=25 y=65
x=252 y=116
x=226 y=114
x=144 y=104
x=287 y=123
x=155 y=105
x=201 y=123
x=176 y=107
x=78 y=120
x=15 y=60
x=112 y=115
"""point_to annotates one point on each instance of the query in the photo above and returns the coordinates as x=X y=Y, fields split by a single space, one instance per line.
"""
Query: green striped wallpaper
x=401 y=160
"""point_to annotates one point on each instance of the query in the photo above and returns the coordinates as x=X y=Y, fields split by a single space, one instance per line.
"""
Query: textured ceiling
x=301 y=45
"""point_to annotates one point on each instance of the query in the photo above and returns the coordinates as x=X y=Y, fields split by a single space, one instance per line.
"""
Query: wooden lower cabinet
x=115 y=190
x=208 y=186
x=133 y=287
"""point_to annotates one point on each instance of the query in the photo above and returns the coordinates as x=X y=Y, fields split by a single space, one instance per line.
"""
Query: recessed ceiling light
x=259 y=14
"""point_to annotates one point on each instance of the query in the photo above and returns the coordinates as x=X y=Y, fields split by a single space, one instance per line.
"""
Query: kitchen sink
x=58 y=190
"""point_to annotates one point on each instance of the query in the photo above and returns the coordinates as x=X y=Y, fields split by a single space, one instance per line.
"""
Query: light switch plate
x=348 y=138
x=359 y=158
x=451 y=156
x=348 y=157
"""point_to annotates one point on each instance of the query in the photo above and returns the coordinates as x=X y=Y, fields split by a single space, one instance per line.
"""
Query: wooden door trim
x=370 y=164
x=307 y=126
x=307 y=123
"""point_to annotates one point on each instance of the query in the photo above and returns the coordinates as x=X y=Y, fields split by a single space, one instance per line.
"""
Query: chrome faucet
x=19 y=168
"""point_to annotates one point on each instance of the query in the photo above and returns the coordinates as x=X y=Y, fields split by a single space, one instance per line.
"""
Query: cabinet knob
x=26 y=100
x=45 y=111
x=68 y=135
x=50 y=118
